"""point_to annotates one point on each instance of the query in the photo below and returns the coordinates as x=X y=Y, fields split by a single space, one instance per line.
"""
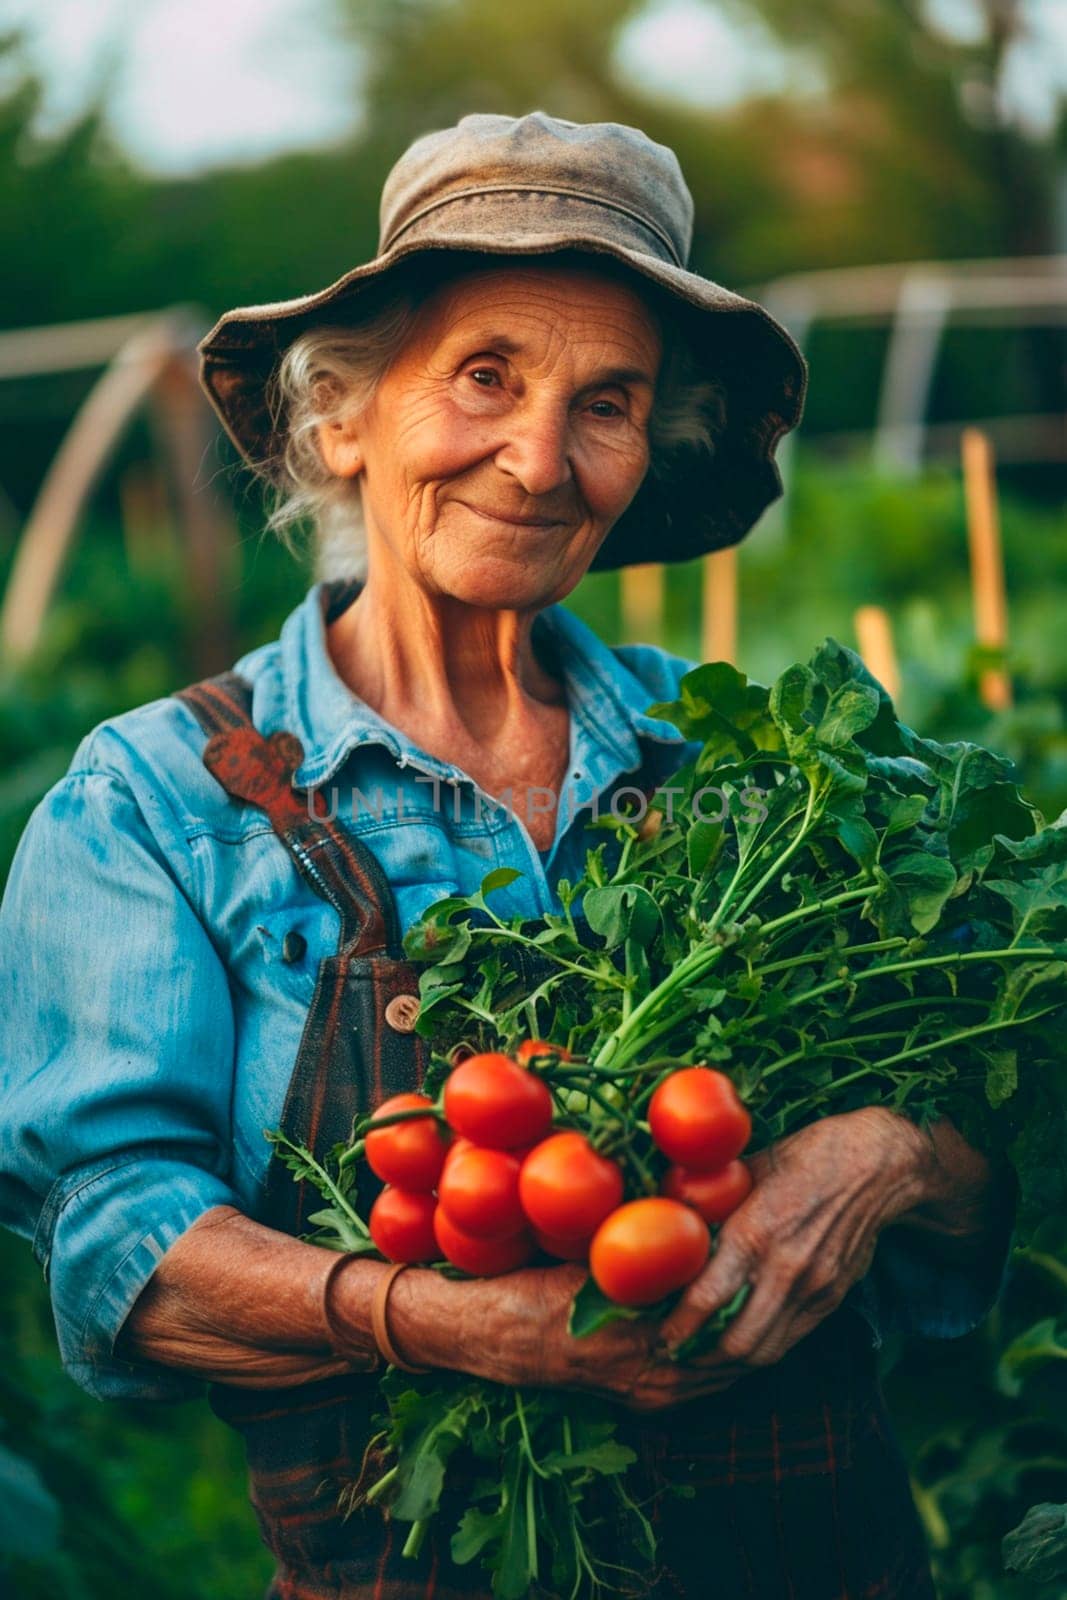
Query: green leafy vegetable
x=872 y=918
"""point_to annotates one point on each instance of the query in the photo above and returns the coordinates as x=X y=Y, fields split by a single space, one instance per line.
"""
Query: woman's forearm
x=235 y=1302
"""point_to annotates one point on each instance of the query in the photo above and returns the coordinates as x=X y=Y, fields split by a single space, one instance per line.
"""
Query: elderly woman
x=201 y=933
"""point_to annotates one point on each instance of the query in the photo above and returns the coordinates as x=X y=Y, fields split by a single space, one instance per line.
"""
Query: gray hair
x=334 y=371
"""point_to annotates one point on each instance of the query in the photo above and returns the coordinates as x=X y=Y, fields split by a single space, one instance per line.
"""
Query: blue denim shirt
x=150 y=1024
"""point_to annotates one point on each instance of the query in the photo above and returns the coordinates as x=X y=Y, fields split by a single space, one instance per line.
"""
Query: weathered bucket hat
x=531 y=186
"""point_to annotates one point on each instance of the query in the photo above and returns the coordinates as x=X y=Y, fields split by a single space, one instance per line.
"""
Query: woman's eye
x=612 y=409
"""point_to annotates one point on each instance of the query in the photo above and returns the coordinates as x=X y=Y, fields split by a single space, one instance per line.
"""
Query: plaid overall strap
x=358 y=1045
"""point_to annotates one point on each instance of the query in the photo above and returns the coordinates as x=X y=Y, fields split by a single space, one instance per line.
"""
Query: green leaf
x=621 y=911
x=846 y=818
x=903 y=811
x=1038 y=1546
x=499 y=878
x=514 y=1572
x=1043 y=1344
x=341 y=1232
x=607 y=1458
x=912 y=892
x=791 y=697
x=435 y=936
x=1002 y=1076
x=709 y=1333
x=424 y=1451
x=591 y=1310
x=1037 y=893
x=703 y=841
x=852 y=708
x=476 y=1529
x=717 y=705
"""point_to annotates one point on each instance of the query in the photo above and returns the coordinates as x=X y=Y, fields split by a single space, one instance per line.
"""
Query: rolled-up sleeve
x=922 y=1285
x=116 y=1066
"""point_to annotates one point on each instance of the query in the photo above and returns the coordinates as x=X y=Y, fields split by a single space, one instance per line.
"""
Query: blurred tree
x=943 y=115
x=901 y=158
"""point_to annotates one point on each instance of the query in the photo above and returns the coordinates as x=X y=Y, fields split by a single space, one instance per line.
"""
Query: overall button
x=402 y=1012
x=294 y=946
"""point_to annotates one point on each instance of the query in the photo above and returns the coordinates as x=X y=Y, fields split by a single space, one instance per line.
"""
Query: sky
x=199 y=83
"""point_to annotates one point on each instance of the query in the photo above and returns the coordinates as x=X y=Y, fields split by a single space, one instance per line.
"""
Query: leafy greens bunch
x=874 y=918
x=888 y=926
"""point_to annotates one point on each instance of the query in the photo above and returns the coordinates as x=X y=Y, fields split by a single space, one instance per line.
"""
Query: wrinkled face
x=509 y=435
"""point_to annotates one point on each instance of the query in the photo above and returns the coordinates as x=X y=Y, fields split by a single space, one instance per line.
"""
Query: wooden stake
x=641 y=597
x=719 y=631
x=874 y=635
x=987 y=562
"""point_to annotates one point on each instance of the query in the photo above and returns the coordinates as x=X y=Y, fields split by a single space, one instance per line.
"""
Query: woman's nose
x=536 y=453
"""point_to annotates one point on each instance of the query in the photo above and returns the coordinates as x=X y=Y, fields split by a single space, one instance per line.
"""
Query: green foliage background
x=885 y=165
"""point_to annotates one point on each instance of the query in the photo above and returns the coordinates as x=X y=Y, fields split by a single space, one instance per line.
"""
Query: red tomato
x=456 y=1148
x=529 y=1048
x=401 y=1225
x=567 y=1189
x=483 y=1258
x=698 y=1120
x=647 y=1249
x=492 y=1100
x=562 y=1249
x=480 y=1191
x=409 y=1154
x=714 y=1194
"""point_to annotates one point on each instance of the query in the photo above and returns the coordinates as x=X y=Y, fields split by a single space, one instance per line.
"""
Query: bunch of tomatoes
x=486 y=1182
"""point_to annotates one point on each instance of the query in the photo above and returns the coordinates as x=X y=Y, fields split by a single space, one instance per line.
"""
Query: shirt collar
x=608 y=702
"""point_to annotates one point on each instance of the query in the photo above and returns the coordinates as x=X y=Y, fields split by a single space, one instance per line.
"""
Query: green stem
x=614 y=1112
x=817 y=908
x=372 y=1124
x=323 y=1181
x=628 y=1037
x=601 y=974
x=759 y=844
x=882 y=1068
x=383 y=1483
x=414 y=1541
x=830 y=954
x=628 y=992
x=775 y=868
x=624 y=855
x=520 y=1412
x=964 y=1033
x=893 y=969
x=923 y=1000
x=830 y=1089
x=531 y=1526
x=1049 y=1265
x=645 y=1178
x=646 y=1094
x=632 y=1034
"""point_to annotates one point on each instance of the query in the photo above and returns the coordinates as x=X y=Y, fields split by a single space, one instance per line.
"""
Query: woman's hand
x=513 y=1330
x=808 y=1230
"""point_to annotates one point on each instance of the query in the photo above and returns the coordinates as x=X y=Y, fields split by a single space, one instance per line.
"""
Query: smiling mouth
x=514 y=522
